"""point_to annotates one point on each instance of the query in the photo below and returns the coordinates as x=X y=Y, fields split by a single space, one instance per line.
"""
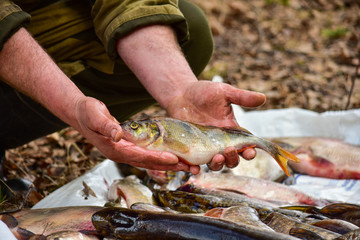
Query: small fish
x=131 y=190
x=197 y=144
x=46 y=221
x=323 y=157
x=123 y=223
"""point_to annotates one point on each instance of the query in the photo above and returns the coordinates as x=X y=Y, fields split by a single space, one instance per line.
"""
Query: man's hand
x=209 y=103
x=154 y=55
x=96 y=123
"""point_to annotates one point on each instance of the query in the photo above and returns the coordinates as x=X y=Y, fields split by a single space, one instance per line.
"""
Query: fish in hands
x=196 y=144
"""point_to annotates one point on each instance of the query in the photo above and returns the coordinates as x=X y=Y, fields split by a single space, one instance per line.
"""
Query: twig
x=79 y=150
x=353 y=78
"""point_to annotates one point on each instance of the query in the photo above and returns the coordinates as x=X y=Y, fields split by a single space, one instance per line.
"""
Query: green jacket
x=111 y=19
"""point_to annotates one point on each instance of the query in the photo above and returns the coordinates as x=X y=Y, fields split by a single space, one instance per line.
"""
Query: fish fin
x=237 y=130
x=247 y=147
x=282 y=156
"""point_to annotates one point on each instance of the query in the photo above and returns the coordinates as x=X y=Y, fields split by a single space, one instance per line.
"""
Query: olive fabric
x=12 y=18
x=66 y=30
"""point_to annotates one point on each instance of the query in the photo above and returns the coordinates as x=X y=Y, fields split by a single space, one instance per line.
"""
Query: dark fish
x=353 y=235
x=283 y=224
x=343 y=211
x=335 y=225
x=188 y=202
x=304 y=234
x=125 y=223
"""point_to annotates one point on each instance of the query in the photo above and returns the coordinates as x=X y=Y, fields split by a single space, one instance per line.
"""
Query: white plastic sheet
x=98 y=179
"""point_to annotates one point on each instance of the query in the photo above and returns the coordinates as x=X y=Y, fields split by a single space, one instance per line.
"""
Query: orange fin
x=247 y=147
x=282 y=157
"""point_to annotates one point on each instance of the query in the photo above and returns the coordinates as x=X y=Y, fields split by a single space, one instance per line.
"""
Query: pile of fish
x=241 y=203
x=203 y=207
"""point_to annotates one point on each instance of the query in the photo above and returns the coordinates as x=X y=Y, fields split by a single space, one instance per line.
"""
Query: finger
x=245 y=98
x=194 y=169
x=249 y=153
x=231 y=157
x=105 y=124
x=133 y=153
x=217 y=162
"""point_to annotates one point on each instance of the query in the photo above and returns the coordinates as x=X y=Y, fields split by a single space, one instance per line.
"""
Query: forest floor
x=299 y=53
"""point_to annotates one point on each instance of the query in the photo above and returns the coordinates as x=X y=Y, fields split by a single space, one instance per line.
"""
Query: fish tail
x=282 y=156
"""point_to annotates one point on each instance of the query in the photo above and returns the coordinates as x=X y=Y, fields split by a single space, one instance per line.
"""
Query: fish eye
x=134 y=125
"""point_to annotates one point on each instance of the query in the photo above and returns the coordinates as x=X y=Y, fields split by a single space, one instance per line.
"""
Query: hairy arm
x=154 y=55
x=25 y=66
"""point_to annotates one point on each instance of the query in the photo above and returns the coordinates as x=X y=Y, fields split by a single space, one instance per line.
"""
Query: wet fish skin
x=243 y=215
x=283 y=224
x=71 y=235
x=304 y=234
x=132 y=224
x=344 y=211
x=255 y=188
x=188 y=202
x=353 y=235
x=146 y=207
x=335 y=225
x=50 y=220
x=323 y=157
x=131 y=189
x=197 y=144
x=262 y=166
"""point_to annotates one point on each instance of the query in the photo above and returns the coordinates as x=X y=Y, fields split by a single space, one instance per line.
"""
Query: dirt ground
x=299 y=53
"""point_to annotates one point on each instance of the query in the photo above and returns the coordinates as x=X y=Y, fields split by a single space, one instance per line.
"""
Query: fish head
x=108 y=220
x=142 y=132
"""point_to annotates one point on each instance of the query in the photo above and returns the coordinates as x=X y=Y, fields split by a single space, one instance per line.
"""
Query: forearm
x=155 y=57
x=26 y=66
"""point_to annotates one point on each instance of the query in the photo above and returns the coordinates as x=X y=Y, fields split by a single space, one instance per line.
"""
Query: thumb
x=245 y=98
x=104 y=123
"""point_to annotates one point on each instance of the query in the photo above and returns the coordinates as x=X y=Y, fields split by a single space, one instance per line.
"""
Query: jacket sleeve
x=114 y=19
x=12 y=18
